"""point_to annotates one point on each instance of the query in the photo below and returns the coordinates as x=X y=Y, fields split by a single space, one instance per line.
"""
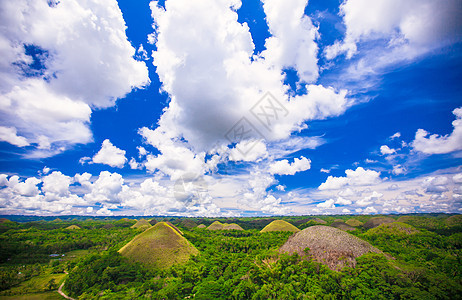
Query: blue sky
x=136 y=107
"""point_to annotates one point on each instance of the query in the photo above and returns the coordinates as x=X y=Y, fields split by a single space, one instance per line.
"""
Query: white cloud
x=283 y=167
x=110 y=155
x=370 y=210
x=86 y=62
x=292 y=44
x=397 y=135
x=9 y=135
x=342 y=201
x=368 y=200
x=399 y=170
x=134 y=164
x=280 y=188
x=385 y=150
x=413 y=26
x=214 y=67
x=436 y=144
x=56 y=184
x=358 y=177
x=328 y=204
x=106 y=188
x=457 y=178
x=248 y=150
x=324 y=170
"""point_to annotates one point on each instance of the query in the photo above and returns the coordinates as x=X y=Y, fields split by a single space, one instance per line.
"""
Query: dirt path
x=60 y=290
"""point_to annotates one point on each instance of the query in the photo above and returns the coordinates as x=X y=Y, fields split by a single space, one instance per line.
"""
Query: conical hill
x=280 y=225
x=328 y=245
x=160 y=246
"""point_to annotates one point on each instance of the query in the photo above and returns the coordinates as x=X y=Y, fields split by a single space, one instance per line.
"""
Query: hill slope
x=160 y=246
x=72 y=227
x=354 y=222
x=280 y=225
x=342 y=226
x=394 y=229
x=376 y=221
x=328 y=245
x=217 y=225
x=141 y=223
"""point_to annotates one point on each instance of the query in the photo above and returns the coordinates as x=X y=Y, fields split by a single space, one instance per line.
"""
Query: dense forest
x=416 y=257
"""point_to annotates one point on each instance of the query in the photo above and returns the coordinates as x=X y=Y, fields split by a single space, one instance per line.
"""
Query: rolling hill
x=328 y=245
x=161 y=246
x=280 y=225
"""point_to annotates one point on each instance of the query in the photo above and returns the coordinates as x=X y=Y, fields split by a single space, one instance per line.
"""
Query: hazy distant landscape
x=305 y=257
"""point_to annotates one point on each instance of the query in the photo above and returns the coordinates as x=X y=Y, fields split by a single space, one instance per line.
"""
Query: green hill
x=187 y=223
x=342 y=226
x=217 y=225
x=354 y=222
x=392 y=229
x=161 y=246
x=280 y=225
x=141 y=224
x=454 y=220
x=376 y=221
x=72 y=227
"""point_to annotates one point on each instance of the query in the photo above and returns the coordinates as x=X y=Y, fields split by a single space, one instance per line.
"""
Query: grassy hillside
x=280 y=225
x=160 y=246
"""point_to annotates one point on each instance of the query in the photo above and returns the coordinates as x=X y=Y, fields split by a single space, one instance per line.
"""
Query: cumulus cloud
x=385 y=150
x=292 y=44
x=358 y=177
x=399 y=170
x=283 y=167
x=10 y=135
x=215 y=67
x=328 y=204
x=412 y=26
x=110 y=155
x=436 y=144
x=52 y=79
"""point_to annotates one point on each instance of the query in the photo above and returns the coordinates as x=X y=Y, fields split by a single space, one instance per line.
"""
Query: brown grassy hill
x=319 y=221
x=188 y=223
x=153 y=222
x=454 y=220
x=72 y=227
x=201 y=226
x=342 y=226
x=328 y=245
x=141 y=224
x=174 y=227
x=217 y=225
x=232 y=226
x=161 y=246
x=4 y=220
x=395 y=229
x=339 y=220
x=354 y=222
x=280 y=225
x=376 y=221
x=108 y=226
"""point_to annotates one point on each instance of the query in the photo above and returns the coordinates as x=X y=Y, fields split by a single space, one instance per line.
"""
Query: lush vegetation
x=421 y=260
